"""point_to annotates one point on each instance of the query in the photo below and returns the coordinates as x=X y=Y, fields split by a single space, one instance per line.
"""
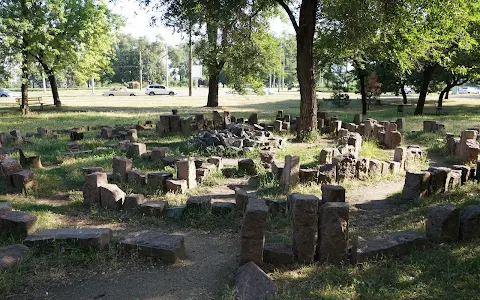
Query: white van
x=155 y=89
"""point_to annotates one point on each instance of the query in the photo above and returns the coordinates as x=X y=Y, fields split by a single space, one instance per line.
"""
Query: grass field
x=58 y=201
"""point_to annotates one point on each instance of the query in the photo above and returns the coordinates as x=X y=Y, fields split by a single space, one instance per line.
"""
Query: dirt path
x=211 y=261
x=371 y=205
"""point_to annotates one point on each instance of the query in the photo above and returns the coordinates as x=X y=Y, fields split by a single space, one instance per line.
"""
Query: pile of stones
x=237 y=137
x=436 y=180
x=466 y=147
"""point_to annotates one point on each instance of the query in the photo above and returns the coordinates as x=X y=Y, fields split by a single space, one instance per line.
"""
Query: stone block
x=400 y=155
x=394 y=167
x=89 y=170
x=248 y=166
x=290 y=174
x=327 y=155
x=454 y=180
x=401 y=125
x=91 y=188
x=18 y=223
x=252 y=283
x=23 y=180
x=136 y=177
x=333 y=193
x=10 y=255
x=153 y=207
x=111 y=196
x=308 y=175
x=253 y=119
x=465 y=172
x=362 y=167
x=327 y=174
x=199 y=203
x=394 y=244
x=178 y=186
x=137 y=149
x=158 y=153
x=241 y=198
x=168 y=248
x=158 y=181
x=439 y=177
x=186 y=170
x=253 y=232
x=175 y=123
x=346 y=167
x=83 y=238
x=304 y=226
x=355 y=140
x=395 y=140
x=443 y=223
x=133 y=201
x=470 y=223
x=220 y=207
x=278 y=254
x=132 y=135
x=121 y=167
x=8 y=167
x=375 y=168
x=5 y=207
x=333 y=233
x=416 y=185
x=217 y=161
x=357 y=119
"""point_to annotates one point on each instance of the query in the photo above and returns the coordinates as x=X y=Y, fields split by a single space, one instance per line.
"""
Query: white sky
x=138 y=23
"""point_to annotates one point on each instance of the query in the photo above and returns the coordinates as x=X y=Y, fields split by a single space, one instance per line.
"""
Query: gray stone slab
x=153 y=207
x=169 y=248
x=84 y=238
x=393 y=244
x=278 y=254
x=10 y=255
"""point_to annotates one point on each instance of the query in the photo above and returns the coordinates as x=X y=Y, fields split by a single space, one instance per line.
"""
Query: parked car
x=155 y=89
x=469 y=90
x=8 y=93
x=120 y=91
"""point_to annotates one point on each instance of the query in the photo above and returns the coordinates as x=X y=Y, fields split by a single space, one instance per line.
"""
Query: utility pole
x=44 y=83
x=166 y=65
x=141 y=67
x=190 y=64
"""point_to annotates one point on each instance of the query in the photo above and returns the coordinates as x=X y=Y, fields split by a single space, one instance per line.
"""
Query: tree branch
x=290 y=14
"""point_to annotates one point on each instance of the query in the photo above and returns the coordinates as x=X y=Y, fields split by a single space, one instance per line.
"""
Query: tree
x=305 y=31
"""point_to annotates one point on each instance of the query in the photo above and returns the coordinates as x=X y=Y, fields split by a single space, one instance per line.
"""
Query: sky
x=138 y=23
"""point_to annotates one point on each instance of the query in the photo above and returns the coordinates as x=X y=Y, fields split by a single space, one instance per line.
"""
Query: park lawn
x=420 y=275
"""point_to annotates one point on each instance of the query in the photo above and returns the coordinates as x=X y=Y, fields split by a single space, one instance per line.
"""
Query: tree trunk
x=54 y=87
x=404 y=94
x=306 y=78
x=427 y=77
x=213 y=90
x=363 y=90
x=24 y=107
x=440 y=98
x=447 y=93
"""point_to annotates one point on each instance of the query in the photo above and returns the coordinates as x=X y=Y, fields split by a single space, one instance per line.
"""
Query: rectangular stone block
x=186 y=170
x=333 y=233
x=121 y=166
x=416 y=185
x=83 y=238
x=91 y=188
x=251 y=282
x=178 y=186
x=111 y=196
x=253 y=232
x=133 y=201
x=443 y=223
x=167 y=247
x=290 y=174
x=333 y=193
x=304 y=226
x=18 y=223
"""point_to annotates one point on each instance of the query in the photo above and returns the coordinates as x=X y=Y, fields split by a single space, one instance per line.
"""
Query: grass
x=58 y=200
x=419 y=275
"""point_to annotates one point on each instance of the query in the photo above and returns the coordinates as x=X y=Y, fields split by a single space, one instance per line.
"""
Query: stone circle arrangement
x=320 y=226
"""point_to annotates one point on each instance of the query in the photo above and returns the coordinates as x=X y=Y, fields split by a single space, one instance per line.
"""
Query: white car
x=469 y=90
x=155 y=89
x=120 y=91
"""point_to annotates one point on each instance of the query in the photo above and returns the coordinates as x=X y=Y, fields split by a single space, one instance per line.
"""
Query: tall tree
x=305 y=31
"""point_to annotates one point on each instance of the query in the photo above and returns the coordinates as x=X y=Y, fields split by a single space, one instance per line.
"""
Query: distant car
x=469 y=90
x=120 y=91
x=155 y=89
x=8 y=93
x=408 y=90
